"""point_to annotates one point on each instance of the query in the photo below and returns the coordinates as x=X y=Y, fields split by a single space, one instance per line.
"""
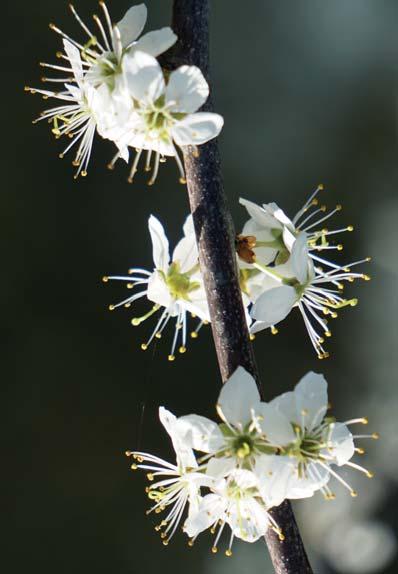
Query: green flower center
x=180 y=284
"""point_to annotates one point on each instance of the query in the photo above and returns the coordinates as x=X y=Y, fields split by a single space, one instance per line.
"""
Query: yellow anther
x=158 y=335
x=130 y=285
x=194 y=335
x=190 y=543
x=182 y=350
x=127 y=305
x=324 y=230
x=340 y=247
x=369 y=474
x=149 y=476
x=135 y=321
x=111 y=307
x=105 y=279
x=339 y=207
x=354 y=493
x=321 y=187
x=252 y=337
x=134 y=466
x=314 y=202
x=193 y=315
x=304 y=412
x=128 y=453
x=171 y=358
x=228 y=552
x=144 y=346
x=328 y=334
x=368 y=259
x=165 y=542
x=322 y=208
x=183 y=180
x=360 y=450
x=274 y=330
x=61 y=156
x=321 y=340
x=58 y=54
x=375 y=436
x=366 y=277
x=281 y=536
x=162 y=160
x=214 y=549
x=364 y=421
x=75 y=163
x=353 y=302
x=350 y=228
x=83 y=173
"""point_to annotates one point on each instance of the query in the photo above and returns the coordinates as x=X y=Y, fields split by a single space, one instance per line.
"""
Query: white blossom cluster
x=281 y=265
x=234 y=472
x=113 y=85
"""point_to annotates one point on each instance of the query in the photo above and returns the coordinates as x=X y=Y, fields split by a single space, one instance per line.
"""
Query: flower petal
x=187 y=90
x=185 y=456
x=286 y=404
x=274 y=305
x=186 y=251
x=160 y=244
x=75 y=60
x=156 y=42
x=239 y=395
x=300 y=258
x=200 y=433
x=220 y=467
x=144 y=76
x=263 y=218
x=197 y=129
x=311 y=395
x=132 y=24
x=275 y=425
x=248 y=520
x=342 y=448
x=211 y=508
x=158 y=292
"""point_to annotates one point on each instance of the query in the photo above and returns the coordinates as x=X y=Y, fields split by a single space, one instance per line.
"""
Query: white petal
x=144 y=77
x=260 y=216
x=279 y=214
x=132 y=24
x=300 y=258
x=197 y=129
x=185 y=457
x=187 y=90
x=197 y=304
x=286 y=404
x=258 y=326
x=186 y=251
x=275 y=475
x=220 y=467
x=155 y=42
x=248 y=520
x=200 y=433
x=158 y=292
x=75 y=60
x=275 y=425
x=239 y=395
x=210 y=509
x=274 y=305
x=160 y=244
x=311 y=395
x=342 y=444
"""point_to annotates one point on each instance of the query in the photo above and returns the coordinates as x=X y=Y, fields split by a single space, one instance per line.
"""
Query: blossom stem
x=215 y=235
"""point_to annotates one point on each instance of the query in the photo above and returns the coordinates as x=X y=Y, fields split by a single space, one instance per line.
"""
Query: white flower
x=175 y=485
x=175 y=286
x=240 y=440
x=77 y=116
x=234 y=501
x=166 y=112
x=311 y=443
x=94 y=93
x=280 y=268
x=104 y=51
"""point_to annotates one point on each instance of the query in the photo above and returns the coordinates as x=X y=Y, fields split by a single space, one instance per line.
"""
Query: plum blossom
x=166 y=113
x=174 y=286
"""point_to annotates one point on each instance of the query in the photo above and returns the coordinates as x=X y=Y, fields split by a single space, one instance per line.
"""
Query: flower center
x=180 y=284
x=158 y=119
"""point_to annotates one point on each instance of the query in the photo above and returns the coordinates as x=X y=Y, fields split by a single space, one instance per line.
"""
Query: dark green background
x=308 y=90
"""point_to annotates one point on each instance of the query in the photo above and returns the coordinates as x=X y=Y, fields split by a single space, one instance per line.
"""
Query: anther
x=134 y=466
x=149 y=476
x=274 y=330
x=182 y=180
x=354 y=493
x=171 y=358
x=323 y=208
x=340 y=247
x=144 y=346
x=105 y=279
x=128 y=453
x=321 y=187
x=165 y=542
x=190 y=542
x=350 y=228
x=158 y=335
x=252 y=337
x=369 y=474
x=214 y=549
x=360 y=450
x=375 y=436
x=194 y=335
x=328 y=334
x=339 y=207
x=366 y=277
x=182 y=350
x=228 y=552
x=111 y=307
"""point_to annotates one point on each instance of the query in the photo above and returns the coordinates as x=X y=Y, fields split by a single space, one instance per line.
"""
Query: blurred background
x=309 y=92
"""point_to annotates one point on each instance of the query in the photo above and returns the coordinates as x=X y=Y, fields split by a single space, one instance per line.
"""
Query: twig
x=215 y=235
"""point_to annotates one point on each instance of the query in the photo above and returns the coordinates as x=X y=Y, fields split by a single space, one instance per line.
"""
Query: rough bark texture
x=215 y=235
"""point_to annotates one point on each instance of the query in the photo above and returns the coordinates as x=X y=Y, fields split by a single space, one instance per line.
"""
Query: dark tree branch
x=215 y=235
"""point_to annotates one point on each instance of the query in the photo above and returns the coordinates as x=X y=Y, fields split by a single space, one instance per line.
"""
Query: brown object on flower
x=244 y=245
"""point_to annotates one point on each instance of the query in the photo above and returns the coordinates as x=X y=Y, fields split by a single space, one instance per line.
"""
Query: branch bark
x=215 y=234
